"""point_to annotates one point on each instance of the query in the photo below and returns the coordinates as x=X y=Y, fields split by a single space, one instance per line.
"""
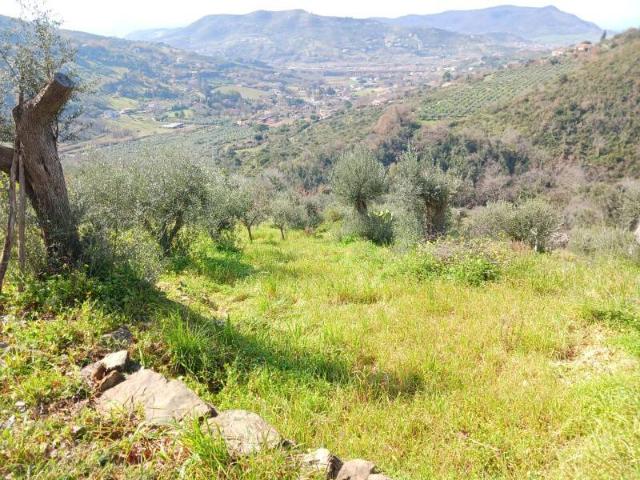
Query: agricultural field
x=495 y=362
x=470 y=97
x=205 y=141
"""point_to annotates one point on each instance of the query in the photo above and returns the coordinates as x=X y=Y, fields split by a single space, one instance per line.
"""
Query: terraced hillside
x=499 y=88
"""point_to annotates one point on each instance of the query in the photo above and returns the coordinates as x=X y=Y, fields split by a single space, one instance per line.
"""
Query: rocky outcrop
x=244 y=433
x=163 y=401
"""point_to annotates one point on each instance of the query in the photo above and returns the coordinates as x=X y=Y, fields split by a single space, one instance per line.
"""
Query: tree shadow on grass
x=184 y=341
x=204 y=347
x=219 y=266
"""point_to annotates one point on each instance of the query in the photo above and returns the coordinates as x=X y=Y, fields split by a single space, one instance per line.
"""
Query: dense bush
x=159 y=191
x=533 y=222
x=472 y=262
x=422 y=195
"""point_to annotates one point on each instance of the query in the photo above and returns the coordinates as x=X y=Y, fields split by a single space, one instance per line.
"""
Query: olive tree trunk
x=44 y=179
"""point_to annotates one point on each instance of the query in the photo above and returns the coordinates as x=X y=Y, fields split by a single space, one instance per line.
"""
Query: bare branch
x=51 y=98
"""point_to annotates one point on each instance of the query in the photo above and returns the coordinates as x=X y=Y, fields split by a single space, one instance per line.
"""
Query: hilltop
x=547 y=25
x=299 y=36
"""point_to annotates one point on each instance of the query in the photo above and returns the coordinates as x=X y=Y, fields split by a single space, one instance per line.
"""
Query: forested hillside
x=575 y=110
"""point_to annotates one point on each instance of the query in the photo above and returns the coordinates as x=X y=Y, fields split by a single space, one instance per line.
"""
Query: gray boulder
x=244 y=433
x=162 y=400
x=356 y=470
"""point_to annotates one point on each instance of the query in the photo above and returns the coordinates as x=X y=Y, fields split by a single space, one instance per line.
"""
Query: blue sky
x=119 y=17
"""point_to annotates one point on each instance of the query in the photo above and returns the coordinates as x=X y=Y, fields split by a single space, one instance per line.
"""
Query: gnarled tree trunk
x=44 y=180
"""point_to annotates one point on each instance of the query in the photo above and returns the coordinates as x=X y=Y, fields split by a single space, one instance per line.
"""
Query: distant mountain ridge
x=300 y=36
x=540 y=24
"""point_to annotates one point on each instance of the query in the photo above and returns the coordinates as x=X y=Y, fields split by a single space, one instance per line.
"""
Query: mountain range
x=547 y=25
x=299 y=36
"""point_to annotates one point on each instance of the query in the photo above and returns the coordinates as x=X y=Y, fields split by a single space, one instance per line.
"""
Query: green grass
x=452 y=373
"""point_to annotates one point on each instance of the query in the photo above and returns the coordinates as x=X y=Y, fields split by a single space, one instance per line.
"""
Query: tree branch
x=6 y=159
x=51 y=98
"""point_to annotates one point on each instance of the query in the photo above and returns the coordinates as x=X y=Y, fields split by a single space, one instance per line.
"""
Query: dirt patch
x=593 y=357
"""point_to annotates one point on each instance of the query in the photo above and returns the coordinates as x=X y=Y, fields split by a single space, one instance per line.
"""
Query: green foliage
x=287 y=211
x=196 y=349
x=533 y=222
x=422 y=194
x=160 y=191
x=601 y=240
x=472 y=263
x=358 y=179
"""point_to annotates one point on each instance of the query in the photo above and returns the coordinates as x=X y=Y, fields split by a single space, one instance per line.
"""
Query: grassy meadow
x=524 y=366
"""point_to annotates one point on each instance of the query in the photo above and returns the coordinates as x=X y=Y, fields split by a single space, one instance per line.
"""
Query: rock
x=95 y=372
x=115 y=361
x=21 y=406
x=3 y=346
x=244 y=433
x=636 y=233
x=121 y=336
x=78 y=431
x=163 y=400
x=112 y=379
x=356 y=470
x=320 y=461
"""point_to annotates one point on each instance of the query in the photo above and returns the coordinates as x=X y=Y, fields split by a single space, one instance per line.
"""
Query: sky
x=119 y=17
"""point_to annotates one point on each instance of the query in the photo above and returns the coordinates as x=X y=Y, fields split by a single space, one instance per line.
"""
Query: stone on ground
x=94 y=373
x=115 y=361
x=162 y=400
x=121 y=336
x=356 y=470
x=244 y=433
x=320 y=461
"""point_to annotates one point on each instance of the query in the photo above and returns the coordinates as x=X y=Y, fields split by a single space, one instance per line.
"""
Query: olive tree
x=423 y=195
x=159 y=190
x=33 y=56
x=252 y=202
x=287 y=211
x=358 y=179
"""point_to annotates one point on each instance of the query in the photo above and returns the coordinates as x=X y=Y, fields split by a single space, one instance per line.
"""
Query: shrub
x=604 y=241
x=471 y=262
x=533 y=222
x=422 y=194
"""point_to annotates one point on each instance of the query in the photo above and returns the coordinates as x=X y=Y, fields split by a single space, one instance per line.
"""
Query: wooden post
x=11 y=221
x=22 y=205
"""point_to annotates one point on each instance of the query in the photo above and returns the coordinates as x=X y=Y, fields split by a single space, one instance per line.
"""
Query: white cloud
x=118 y=17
